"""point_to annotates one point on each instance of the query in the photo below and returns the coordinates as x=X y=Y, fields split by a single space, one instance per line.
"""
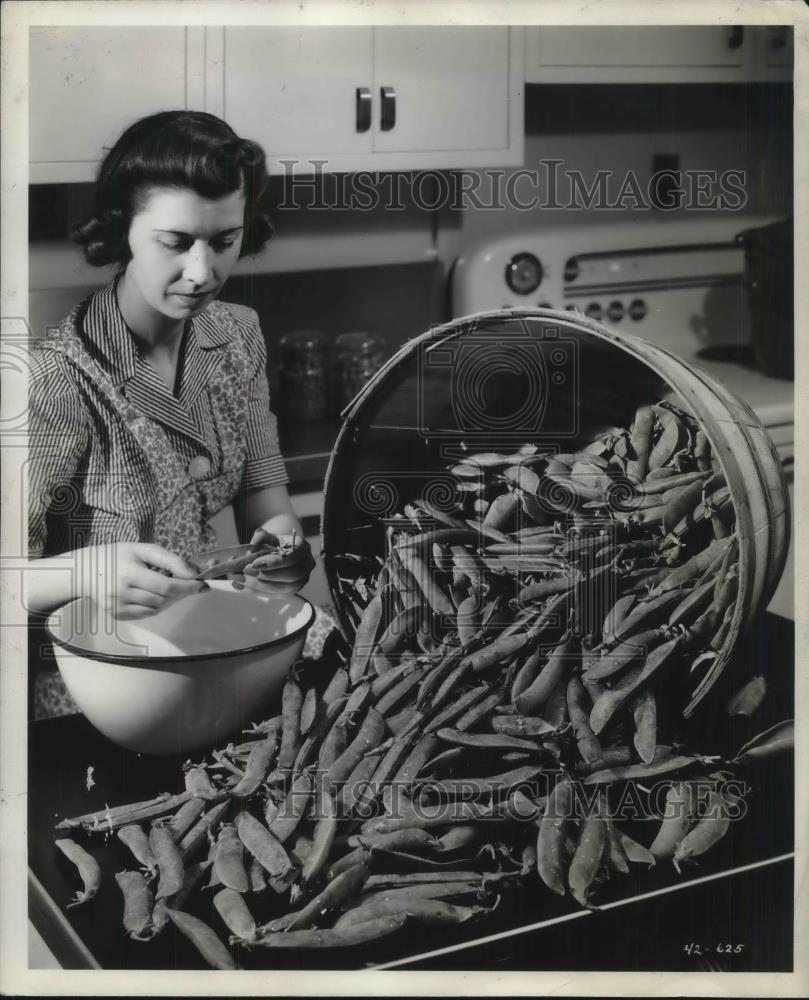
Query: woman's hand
x=129 y=579
x=285 y=573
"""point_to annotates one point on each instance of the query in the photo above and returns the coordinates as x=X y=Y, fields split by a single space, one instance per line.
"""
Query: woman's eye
x=223 y=245
x=175 y=245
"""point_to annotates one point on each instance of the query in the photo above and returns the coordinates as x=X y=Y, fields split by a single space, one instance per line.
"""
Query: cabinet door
x=451 y=86
x=779 y=44
x=634 y=54
x=87 y=84
x=294 y=89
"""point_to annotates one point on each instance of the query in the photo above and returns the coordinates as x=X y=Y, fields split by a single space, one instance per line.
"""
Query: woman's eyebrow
x=180 y=232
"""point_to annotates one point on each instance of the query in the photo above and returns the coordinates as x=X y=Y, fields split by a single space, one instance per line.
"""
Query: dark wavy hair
x=182 y=149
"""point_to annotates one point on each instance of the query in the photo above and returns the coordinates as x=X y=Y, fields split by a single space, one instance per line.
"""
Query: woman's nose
x=198 y=265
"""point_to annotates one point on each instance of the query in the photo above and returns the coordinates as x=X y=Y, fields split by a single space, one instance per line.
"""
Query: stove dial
x=524 y=273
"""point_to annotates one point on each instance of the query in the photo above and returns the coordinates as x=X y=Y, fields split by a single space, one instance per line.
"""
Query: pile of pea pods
x=522 y=655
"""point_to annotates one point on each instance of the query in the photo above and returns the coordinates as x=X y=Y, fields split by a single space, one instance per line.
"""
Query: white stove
x=675 y=282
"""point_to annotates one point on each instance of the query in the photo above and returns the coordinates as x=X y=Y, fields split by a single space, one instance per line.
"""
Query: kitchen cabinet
x=657 y=54
x=88 y=83
x=452 y=95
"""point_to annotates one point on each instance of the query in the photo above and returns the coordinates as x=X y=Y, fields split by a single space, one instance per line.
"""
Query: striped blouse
x=114 y=455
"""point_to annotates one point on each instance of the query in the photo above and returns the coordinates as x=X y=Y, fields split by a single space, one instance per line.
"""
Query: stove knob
x=594 y=310
x=615 y=311
x=571 y=269
x=523 y=273
x=637 y=309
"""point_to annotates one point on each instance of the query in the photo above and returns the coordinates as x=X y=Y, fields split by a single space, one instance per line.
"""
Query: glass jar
x=304 y=376
x=359 y=356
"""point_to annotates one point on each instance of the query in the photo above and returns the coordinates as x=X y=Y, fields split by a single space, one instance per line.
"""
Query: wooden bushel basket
x=495 y=380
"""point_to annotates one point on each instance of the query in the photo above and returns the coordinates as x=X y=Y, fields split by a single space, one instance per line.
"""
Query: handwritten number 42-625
x=720 y=949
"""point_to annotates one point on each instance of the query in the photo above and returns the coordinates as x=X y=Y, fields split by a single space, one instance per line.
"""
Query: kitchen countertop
x=750 y=907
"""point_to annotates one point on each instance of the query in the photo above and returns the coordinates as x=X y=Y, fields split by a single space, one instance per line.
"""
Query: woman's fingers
x=262 y=537
x=269 y=587
x=144 y=598
x=284 y=574
x=165 y=587
x=132 y=612
x=156 y=555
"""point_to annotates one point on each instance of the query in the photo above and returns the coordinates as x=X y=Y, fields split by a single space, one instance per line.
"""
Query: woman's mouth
x=191 y=297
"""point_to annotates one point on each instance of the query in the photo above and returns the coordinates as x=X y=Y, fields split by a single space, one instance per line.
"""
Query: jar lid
x=359 y=343
x=302 y=341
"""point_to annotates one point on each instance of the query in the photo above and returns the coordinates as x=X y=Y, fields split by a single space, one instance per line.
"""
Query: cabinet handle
x=735 y=37
x=387 y=118
x=363 y=109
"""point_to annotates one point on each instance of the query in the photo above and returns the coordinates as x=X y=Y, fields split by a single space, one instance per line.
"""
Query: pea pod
x=293 y=809
x=670 y=438
x=258 y=765
x=263 y=846
x=110 y=819
x=312 y=744
x=614 y=852
x=370 y=930
x=550 y=841
x=558 y=666
x=641 y=443
x=228 y=861
x=233 y=910
x=692 y=606
x=486 y=741
x=457 y=709
x=137 y=841
x=668 y=764
x=325 y=832
x=203 y=938
x=169 y=861
x=369 y=736
x=436 y=599
x=680 y=503
x=477 y=712
x=335 y=895
x=198 y=833
x=613 y=661
x=587 y=859
x=88 y=868
x=644 y=715
x=393 y=639
x=427 y=911
x=198 y=783
x=191 y=878
x=635 y=853
x=646 y=615
x=677 y=820
x=578 y=709
x=521 y=725
x=138 y=903
x=501 y=512
x=365 y=638
x=610 y=701
x=291 y=703
x=778 y=739
x=707 y=831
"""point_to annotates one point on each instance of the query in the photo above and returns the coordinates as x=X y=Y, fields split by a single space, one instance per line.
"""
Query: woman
x=149 y=407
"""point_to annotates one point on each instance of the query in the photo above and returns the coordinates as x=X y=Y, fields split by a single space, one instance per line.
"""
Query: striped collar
x=109 y=340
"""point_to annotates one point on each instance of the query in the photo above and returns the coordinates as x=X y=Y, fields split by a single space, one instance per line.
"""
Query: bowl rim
x=196 y=657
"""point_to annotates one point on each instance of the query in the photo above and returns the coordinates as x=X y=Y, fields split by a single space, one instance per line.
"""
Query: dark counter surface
x=751 y=908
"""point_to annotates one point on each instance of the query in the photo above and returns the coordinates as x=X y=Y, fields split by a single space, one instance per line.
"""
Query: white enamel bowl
x=186 y=677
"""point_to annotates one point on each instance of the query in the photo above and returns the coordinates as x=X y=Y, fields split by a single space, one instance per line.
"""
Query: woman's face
x=183 y=248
